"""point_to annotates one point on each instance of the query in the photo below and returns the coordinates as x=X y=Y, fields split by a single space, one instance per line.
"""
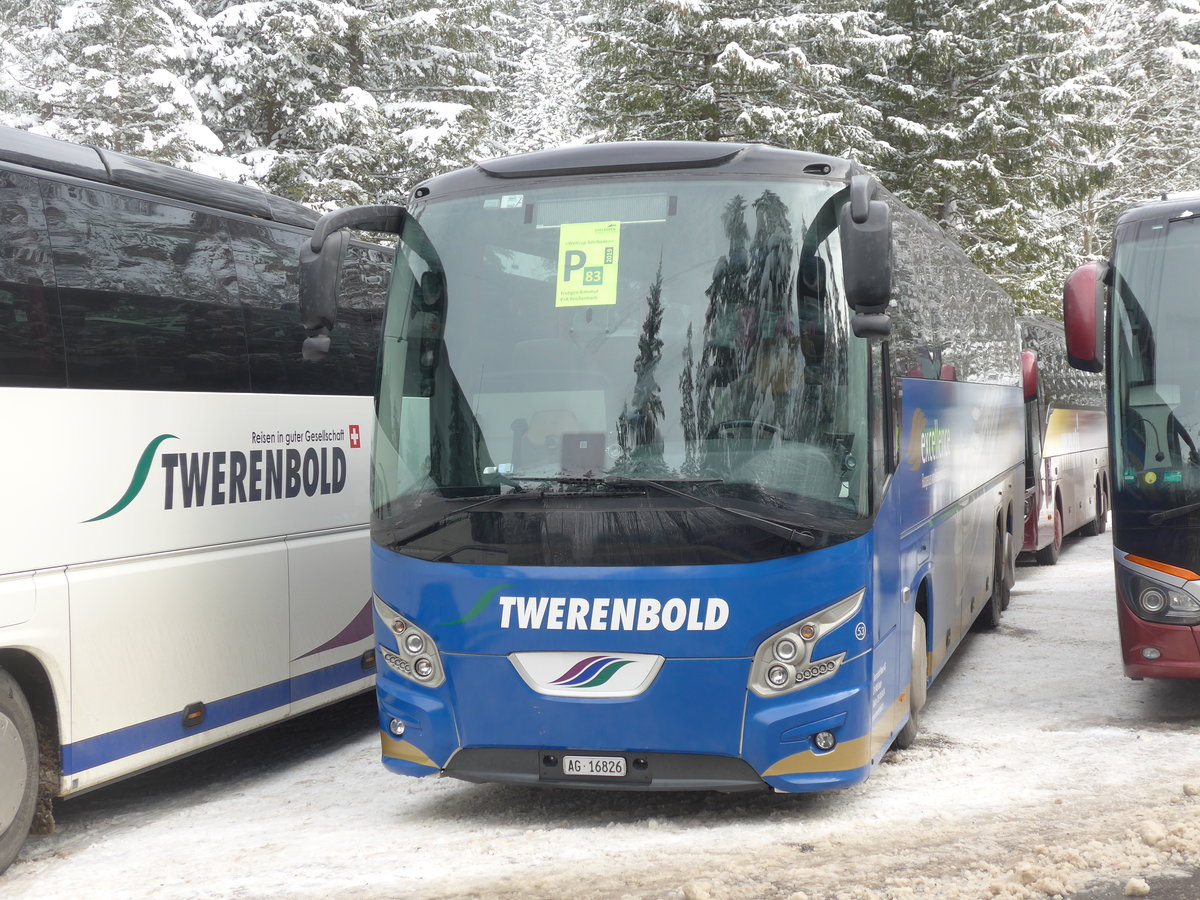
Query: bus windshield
x=572 y=339
x=1157 y=373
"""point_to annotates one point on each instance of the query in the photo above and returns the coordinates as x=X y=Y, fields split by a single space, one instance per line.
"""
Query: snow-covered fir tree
x=791 y=74
x=539 y=78
x=1151 y=69
x=348 y=102
x=110 y=72
x=991 y=119
x=1022 y=126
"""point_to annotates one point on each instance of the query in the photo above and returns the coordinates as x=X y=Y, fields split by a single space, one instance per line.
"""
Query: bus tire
x=917 y=687
x=1048 y=555
x=1007 y=571
x=1097 y=525
x=989 y=616
x=18 y=768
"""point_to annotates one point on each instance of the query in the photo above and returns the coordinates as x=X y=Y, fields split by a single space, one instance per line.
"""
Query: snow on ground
x=1041 y=771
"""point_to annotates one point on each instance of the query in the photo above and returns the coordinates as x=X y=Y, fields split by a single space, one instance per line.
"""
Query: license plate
x=610 y=766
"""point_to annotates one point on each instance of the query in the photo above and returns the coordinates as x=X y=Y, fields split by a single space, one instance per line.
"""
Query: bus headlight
x=784 y=662
x=1154 y=601
x=415 y=656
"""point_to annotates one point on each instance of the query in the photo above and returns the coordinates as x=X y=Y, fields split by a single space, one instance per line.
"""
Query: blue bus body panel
x=697 y=706
x=961 y=450
x=462 y=607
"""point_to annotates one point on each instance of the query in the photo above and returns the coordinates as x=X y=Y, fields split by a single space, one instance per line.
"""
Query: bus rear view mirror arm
x=321 y=262
x=865 y=226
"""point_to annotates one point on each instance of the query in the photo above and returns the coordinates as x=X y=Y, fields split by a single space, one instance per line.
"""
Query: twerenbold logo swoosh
x=478 y=608
x=592 y=672
x=140 y=474
x=579 y=667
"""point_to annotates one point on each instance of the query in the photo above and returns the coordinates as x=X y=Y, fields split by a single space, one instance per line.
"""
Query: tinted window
x=360 y=313
x=147 y=292
x=268 y=260
x=31 y=344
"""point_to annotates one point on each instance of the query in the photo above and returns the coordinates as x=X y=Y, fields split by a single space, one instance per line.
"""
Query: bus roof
x=109 y=167
x=1168 y=206
x=642 y=156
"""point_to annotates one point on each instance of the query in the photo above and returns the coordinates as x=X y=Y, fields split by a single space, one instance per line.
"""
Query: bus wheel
x=18 y=768
x=1048 y=555
x=1098 y=524
x=989 y=616
x=917 y=687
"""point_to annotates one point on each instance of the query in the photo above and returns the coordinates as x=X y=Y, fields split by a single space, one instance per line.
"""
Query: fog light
x=396 y=727
x=423 y=668
x=414 y=643
x=1151 y=652
x=824 y=740
x=777 y=675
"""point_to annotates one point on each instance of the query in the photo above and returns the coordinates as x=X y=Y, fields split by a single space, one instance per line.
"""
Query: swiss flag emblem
x=355 y=438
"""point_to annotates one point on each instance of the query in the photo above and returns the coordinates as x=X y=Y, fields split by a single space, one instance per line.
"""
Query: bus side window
x=268 y=284
x=31 y=346
x=146 y=293
x=360 y=319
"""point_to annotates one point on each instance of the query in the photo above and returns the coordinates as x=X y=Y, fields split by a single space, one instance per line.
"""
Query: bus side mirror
x=1029 y=374
x=321 y=259
x=865 y=226
x=1083 y=316
x=320 y=275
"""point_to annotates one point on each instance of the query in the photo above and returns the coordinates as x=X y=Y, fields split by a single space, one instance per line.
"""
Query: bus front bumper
x=1175 y=648
x=707 y=733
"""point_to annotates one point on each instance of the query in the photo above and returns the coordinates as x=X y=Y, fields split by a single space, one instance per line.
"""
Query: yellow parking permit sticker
x=588 y=253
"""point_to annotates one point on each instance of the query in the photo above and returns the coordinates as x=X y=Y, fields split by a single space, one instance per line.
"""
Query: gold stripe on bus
x=394 y=749
x=886 y=723
x=848 y=755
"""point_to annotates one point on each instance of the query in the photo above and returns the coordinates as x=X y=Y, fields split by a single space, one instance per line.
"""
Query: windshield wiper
x=457 y=515
x=1159 y=517
x=786 y=530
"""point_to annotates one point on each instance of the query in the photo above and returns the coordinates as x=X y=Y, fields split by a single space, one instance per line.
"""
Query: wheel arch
x=921 y=607
x=33 y=679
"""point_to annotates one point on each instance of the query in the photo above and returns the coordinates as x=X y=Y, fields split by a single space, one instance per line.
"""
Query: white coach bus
x=184 y=552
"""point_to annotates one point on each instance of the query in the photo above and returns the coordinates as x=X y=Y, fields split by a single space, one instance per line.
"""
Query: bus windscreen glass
x=1157 y=375
x=576 y=336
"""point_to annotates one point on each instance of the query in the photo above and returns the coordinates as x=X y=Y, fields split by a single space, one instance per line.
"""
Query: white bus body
x=184 y=552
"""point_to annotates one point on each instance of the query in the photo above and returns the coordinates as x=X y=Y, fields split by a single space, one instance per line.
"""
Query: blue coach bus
x=693 y=464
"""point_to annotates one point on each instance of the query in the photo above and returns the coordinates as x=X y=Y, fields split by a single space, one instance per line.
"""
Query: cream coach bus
x=185 y=551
